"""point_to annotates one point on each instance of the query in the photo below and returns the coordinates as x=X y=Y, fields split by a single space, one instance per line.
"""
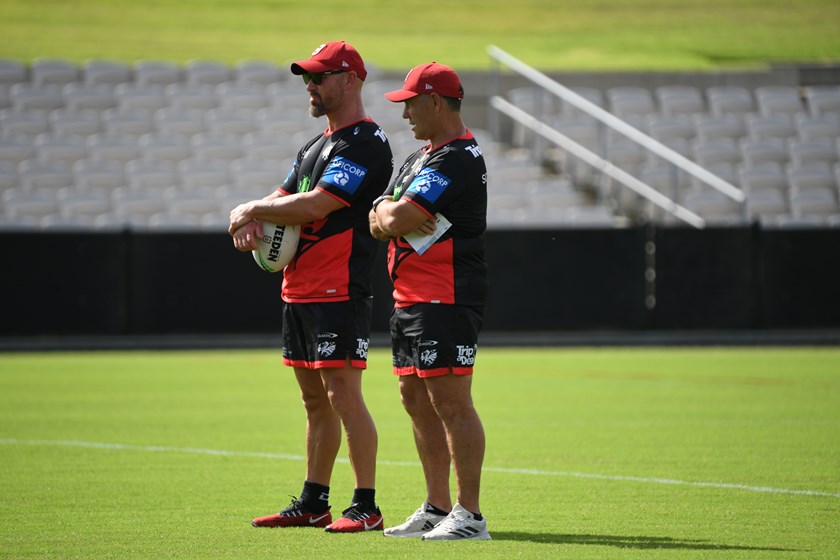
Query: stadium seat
x=60 y=223
x=75 y=124
x=98 y=175
x=166 y=221
x=729 y=100
x=56 y=72
x=206 y=72
x=216 y=147
x=105 y=72
x=117 y=149
x=679 y=100
x=813 y=175
x=156 y=73
x=127 y=123
x=590 y=216
x=83 y=98
x=593 y=95
x=129 y=202
x=24 y=124
x=813 y=202
x=807 y=151
x=714 y=207
x=14 y=149
x=162 y=147
x=758 y=151
x=816 y=128
x=823 y=101
x=708 y=153
x=179 y=122
x=12 y=72
x=762 y=127
x=55 y=148
x=778 y=100
x=261 y=72
x=144 y=98
x=152 y=181
x=29 y=205
x=667 y=128
x=186 y=97
x=710 y=128
x=26 y=97
x=192 y=205
x=767 y=176
x=35 y=175
x=87 y=204
x=230 y=122
x=766 y=205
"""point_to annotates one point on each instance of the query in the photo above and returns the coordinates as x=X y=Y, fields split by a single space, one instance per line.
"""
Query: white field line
x=286 y=457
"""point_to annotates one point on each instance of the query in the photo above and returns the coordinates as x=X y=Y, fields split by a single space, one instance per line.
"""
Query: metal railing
x=610 y=120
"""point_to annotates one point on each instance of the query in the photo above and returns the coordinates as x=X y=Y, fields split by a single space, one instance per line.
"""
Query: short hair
x=454 y=102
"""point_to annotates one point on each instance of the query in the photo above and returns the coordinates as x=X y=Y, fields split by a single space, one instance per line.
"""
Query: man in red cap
x=433 y=215
x=327 y=285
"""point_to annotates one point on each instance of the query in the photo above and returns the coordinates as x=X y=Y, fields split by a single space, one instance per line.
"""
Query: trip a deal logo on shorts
x=344 y=174
x=429 y=184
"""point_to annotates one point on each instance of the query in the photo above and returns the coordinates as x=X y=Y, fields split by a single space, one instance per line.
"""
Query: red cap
x=429 y=78
x=335 y=55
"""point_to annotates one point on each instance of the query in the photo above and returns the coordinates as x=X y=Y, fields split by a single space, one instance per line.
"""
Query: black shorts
x=326 y=335
x=429 y=339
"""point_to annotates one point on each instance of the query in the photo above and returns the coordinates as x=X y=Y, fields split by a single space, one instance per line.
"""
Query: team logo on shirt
x=344 y=174
x=429 y=184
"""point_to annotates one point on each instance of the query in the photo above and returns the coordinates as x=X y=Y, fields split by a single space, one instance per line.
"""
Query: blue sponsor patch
x=344 y=174
x=429 y=184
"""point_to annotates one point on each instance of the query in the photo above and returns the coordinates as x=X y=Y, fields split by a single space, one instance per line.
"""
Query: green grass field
x=592 y=453
x=549 y=34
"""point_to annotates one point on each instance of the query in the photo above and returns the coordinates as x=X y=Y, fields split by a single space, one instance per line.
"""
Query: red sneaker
x=355 y=519
x=295 y=515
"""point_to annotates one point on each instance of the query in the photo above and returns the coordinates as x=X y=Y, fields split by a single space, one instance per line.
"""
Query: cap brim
x=400 y=95
x=305 y=66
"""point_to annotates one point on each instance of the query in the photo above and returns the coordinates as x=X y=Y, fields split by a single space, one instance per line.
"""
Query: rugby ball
x=277 y=246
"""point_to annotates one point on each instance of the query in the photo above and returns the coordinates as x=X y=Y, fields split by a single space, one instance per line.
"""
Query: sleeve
x=436 y=184
x=290 y=183
x=351 y=166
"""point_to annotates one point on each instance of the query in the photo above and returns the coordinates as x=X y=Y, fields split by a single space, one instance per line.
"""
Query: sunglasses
x=318 y=77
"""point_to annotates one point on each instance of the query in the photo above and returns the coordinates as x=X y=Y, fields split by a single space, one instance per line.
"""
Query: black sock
x=315 y=497
x=435 y=510
x=477 y=516
x=366 y=497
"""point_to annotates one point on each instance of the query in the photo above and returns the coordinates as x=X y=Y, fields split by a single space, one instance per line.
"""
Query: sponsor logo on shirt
x=344 y=174
x=429 y=184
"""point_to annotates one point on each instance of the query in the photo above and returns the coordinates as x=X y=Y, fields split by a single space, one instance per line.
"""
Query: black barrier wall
x=546 y=280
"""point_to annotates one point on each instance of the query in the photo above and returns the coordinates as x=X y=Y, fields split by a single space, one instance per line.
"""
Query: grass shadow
x=641 y=543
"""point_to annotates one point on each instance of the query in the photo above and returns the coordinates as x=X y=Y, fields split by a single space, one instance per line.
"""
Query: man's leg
x=323 y=427
x=430 y=438
x=343 y=388
x=451 y=398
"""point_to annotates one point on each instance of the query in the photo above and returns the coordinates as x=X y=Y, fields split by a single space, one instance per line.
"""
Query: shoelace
x=293 y=509
x=355 y=513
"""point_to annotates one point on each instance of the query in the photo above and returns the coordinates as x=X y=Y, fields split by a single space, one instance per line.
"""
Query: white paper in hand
x=421 y=243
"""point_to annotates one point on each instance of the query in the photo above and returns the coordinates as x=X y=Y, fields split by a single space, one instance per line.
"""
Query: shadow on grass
x=643 y=543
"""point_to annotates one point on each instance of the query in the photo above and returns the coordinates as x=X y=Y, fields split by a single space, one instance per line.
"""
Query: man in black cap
x=327 y=285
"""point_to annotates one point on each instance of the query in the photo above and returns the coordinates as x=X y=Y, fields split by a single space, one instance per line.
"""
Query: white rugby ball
x=277 y=246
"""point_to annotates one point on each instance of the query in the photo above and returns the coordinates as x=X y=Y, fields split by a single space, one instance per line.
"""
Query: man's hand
x=245 y=238
x=240 y=216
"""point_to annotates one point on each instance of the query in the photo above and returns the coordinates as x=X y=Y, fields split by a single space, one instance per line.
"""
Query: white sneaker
x=418 y=524
x=460 y=525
